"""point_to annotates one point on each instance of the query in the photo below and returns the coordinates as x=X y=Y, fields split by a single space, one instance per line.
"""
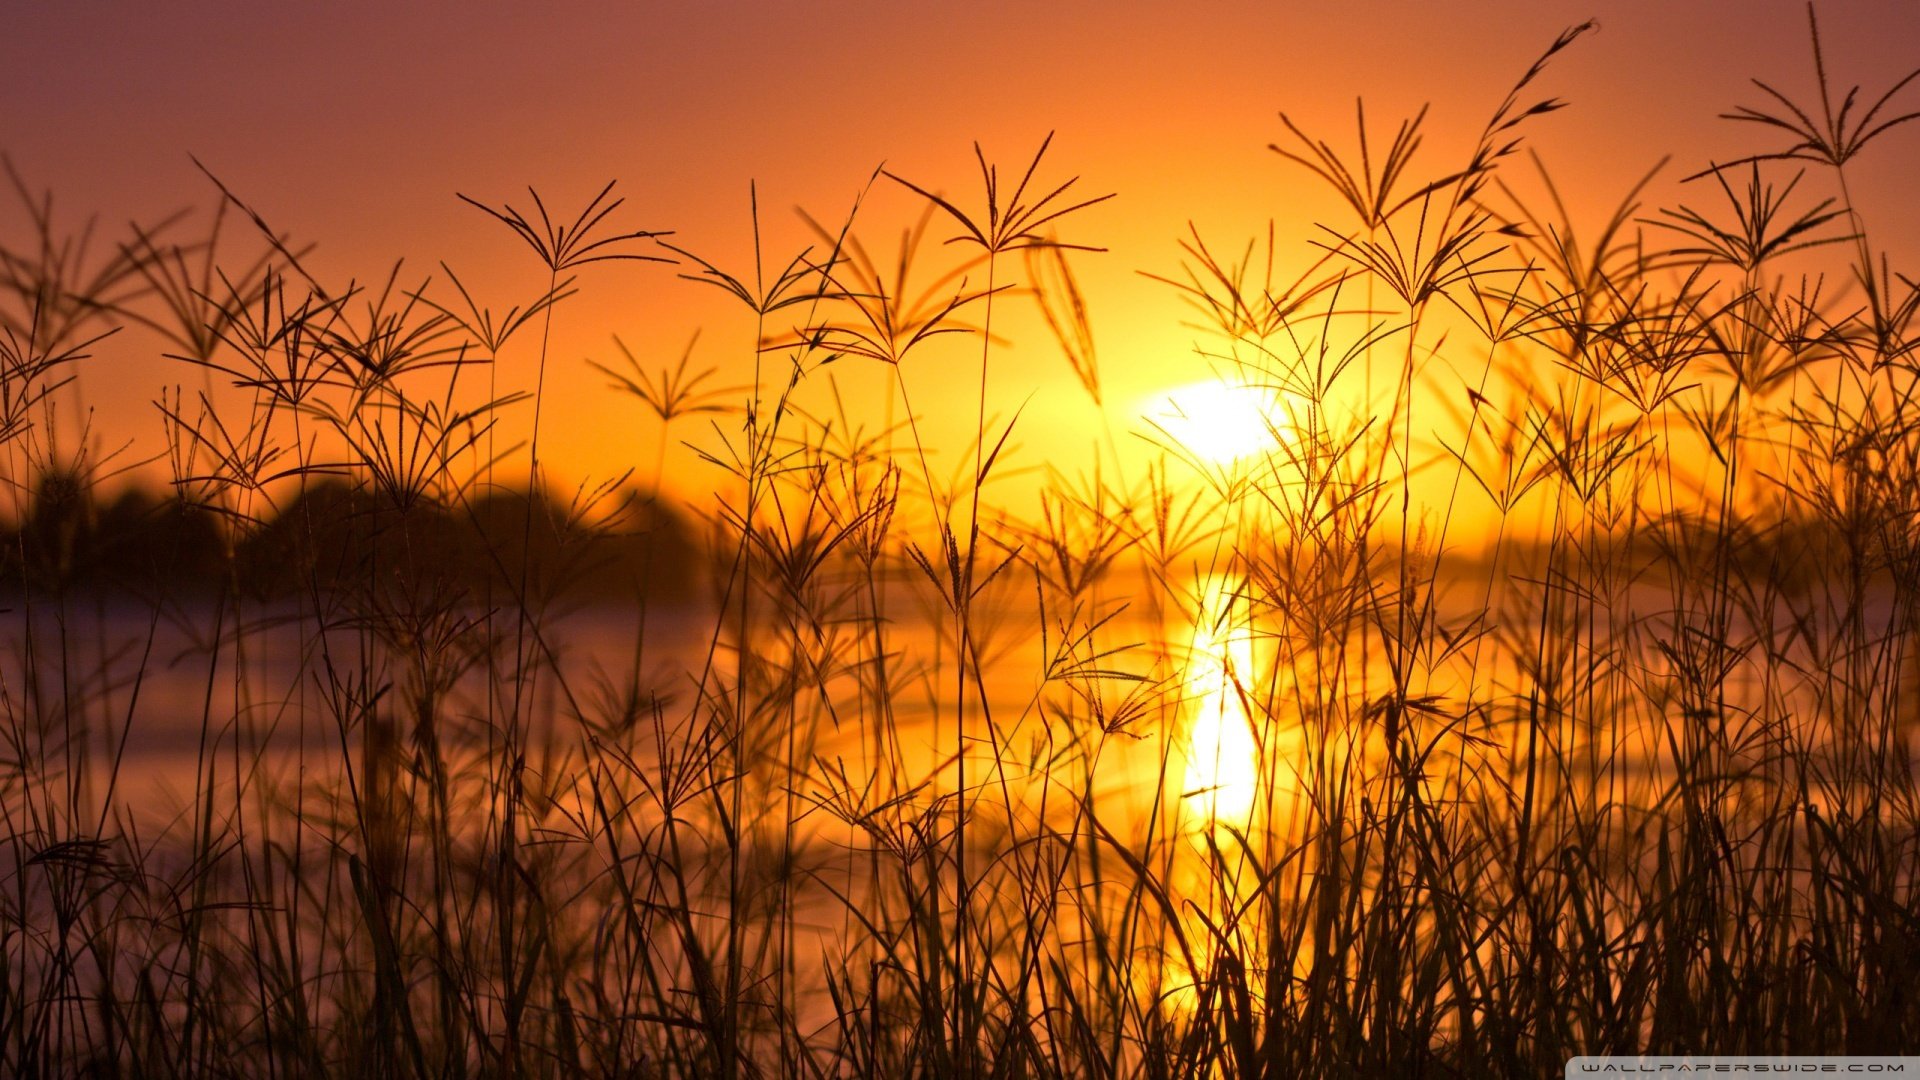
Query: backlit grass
x=1505 y=651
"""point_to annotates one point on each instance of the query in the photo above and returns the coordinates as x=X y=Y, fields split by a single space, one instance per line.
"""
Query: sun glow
x=1221 y=422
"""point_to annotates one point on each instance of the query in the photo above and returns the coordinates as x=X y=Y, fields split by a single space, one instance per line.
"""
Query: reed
x=1545 y=687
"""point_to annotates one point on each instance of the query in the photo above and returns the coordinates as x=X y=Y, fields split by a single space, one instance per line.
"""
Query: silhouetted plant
x=1575 y=677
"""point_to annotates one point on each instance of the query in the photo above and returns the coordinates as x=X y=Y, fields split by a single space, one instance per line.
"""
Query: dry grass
x=1571 y=656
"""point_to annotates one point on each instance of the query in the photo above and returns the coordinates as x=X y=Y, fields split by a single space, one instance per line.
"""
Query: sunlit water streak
x=1223 y=760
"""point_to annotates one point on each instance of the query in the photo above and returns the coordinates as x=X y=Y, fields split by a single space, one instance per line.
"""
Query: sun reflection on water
x=1223 y=760
x=1219 y=793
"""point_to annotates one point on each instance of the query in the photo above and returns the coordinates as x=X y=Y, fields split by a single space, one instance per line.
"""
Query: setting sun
x=1220 y=422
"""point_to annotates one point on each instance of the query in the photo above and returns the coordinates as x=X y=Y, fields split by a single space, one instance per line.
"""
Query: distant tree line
x=331 y=535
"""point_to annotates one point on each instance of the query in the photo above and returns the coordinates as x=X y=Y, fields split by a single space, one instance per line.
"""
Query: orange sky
x=354 y=124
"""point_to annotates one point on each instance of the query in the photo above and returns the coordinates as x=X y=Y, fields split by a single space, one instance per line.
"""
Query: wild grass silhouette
x=1570 y=658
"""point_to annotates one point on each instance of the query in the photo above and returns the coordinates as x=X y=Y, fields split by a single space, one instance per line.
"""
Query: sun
x=1220 y=422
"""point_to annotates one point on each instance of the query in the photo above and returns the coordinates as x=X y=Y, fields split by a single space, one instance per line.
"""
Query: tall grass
x=1546 y=687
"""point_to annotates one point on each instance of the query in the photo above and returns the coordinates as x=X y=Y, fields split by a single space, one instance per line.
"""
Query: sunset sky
x=353 y=125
